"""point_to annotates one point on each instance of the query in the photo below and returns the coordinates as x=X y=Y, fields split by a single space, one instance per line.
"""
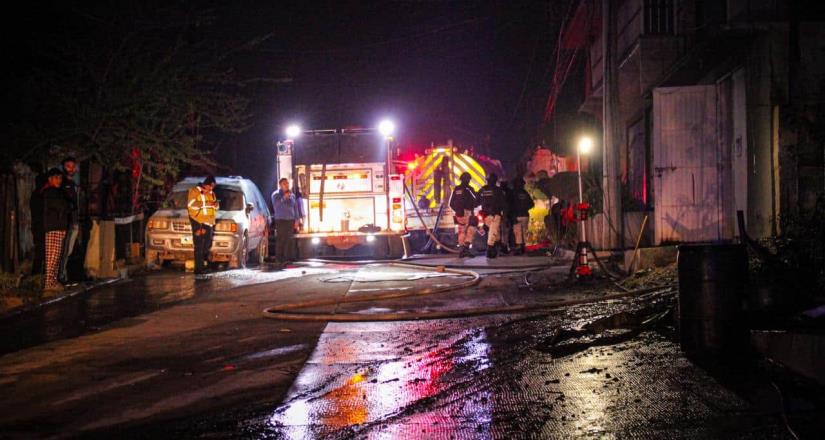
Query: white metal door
x=686 y=165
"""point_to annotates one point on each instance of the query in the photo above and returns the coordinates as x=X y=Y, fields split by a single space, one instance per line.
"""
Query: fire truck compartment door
x=346 y=214
x=342 y=181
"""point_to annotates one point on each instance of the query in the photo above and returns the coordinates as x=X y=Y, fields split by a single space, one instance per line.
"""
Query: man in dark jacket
x=73 y=229
x=519 y=211
x=463 y=202
x=493 y=207
x=287 y=217
x=56 y=212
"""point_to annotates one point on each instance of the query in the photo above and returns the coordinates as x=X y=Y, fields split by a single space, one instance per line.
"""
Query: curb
x=69 y=293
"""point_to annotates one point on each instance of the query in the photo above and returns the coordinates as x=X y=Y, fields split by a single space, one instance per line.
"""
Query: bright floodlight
x=585 y=145
x=293 y=131
x=386 y=127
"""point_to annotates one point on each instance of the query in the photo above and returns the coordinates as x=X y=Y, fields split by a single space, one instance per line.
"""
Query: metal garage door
x=688 y=166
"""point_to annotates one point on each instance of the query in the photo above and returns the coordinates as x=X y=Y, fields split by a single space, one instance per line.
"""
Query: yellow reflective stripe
x=429 y=171
x=468 y=168
x=427 y=160
x=424 y=174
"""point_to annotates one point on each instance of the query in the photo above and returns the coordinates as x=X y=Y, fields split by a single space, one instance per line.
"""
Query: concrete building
x=718 y=106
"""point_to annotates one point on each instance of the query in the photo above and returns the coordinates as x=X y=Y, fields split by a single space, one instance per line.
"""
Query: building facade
x=717 y=107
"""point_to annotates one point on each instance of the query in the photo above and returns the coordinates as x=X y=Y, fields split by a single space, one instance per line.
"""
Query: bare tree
x=119 y=80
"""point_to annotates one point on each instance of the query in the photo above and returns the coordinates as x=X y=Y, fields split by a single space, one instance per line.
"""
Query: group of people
x=504 y=209
x=54 y=205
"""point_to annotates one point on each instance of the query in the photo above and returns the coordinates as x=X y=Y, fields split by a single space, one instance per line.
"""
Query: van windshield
x=230 y=199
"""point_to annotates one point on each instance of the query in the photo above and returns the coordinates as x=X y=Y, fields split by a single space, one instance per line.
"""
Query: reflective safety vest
x=202 y=205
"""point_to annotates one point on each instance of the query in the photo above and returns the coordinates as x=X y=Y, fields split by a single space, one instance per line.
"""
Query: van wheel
x=263 y=250
x=243 y=257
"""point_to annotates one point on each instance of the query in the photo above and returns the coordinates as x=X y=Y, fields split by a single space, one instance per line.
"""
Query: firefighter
x=463 y=201
x=493 y=207
x=203 y=208
x=519 y=206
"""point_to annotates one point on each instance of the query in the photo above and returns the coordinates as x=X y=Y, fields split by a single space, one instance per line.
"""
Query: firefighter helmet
x=465 y=178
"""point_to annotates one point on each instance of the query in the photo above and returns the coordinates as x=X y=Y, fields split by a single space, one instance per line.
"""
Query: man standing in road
x=203 y=208
x=73 y=195
x=519 y=205
x=463 y=201
x=287 y=217
x=493 y=206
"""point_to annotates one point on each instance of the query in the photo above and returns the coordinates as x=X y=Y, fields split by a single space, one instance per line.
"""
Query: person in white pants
x=463 y=202
x=493 y=207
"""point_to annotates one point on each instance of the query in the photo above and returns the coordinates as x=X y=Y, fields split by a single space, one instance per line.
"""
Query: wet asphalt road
x=92 y=310
x=166 y=356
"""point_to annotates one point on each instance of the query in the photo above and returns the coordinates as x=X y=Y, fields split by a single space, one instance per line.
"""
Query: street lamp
x=386 y=128
x=293 y=131
x=583 y=269
x=584 y=147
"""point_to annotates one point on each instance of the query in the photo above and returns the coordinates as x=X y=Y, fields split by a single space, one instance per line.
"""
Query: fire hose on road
x=291 y=311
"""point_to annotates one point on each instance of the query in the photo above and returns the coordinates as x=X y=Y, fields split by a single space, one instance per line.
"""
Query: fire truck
x=352 y=201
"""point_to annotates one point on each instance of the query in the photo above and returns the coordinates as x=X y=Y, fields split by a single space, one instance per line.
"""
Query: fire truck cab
x=352 y=203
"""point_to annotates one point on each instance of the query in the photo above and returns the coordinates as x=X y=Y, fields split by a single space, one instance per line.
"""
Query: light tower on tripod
x=582 y=267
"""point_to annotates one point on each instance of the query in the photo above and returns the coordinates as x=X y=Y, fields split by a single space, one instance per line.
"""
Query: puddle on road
x=88 y=311
x=356 y=391
x=612 y=377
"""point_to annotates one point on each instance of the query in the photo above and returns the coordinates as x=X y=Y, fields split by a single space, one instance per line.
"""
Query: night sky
x=476 y=72
x=441 y=69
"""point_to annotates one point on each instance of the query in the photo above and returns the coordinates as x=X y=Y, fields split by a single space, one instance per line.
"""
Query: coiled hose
x=289 y=312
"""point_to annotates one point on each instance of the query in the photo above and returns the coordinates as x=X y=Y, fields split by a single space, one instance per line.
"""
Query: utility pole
x=613 y=220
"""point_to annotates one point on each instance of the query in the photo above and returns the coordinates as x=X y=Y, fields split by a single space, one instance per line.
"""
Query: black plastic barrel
x=712 y=283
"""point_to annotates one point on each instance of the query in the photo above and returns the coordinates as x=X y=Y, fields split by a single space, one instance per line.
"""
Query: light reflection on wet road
x=493 y=378
x=589 y=371
x=88 y=311
x=368 y=387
